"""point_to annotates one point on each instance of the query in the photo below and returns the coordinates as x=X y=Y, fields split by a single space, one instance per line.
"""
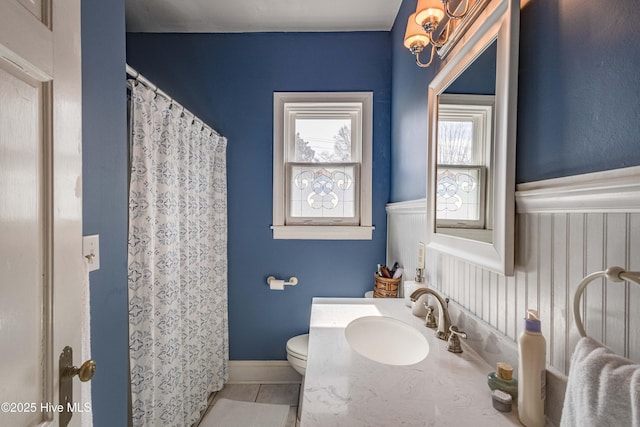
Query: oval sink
x=386 y=340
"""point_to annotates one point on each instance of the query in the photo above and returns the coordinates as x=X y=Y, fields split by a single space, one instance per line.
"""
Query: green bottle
x=502 y=379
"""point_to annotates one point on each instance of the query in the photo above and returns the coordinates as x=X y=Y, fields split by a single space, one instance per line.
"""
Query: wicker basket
x=385 y=288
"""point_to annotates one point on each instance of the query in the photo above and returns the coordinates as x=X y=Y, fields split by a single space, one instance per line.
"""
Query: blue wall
x=408 y=114
x=578 y=100
x=104 y=156
x=479 y=77
x=228 y=80
x=579 y=96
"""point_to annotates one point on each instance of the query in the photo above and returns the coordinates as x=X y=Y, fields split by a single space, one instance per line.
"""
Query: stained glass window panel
x=327 y=191
x=326 y=140
x=459 y=195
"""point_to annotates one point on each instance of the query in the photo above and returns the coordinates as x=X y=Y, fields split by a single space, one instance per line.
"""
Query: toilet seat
x=298 y=346
x=297 y=350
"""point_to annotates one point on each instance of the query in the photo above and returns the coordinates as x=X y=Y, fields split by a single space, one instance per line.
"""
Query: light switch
x=91 y=251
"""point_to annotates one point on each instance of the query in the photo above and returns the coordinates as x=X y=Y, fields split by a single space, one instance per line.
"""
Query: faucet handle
x=454 y=339
x=430 y=319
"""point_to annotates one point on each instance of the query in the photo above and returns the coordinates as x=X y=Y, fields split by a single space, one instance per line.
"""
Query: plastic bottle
x=532 y=349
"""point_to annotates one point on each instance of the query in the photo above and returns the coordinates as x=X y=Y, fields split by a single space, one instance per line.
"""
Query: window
x=465 y=128
x=322 y=165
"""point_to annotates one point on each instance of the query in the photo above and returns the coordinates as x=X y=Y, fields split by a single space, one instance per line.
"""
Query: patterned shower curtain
x=178 y=333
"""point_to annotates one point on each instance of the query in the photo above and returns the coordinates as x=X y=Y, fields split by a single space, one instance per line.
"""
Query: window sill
x=482 y=235
x=322 y=232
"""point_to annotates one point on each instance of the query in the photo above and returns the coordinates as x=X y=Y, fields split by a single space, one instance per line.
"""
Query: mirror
x=471 y=154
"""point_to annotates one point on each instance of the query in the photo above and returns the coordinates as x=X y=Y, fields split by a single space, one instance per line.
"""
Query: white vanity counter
x=343 y=388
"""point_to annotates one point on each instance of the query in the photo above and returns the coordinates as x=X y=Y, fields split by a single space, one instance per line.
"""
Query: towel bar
x=614 y=274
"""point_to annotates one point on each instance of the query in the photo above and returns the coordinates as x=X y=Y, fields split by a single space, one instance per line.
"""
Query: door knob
x=84 y=372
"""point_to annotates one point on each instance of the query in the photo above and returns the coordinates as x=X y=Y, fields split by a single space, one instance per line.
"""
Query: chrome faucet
x=444 y=321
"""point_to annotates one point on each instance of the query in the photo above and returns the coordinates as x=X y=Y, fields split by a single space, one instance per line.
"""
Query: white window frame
x=478 y=109
x=288 y=105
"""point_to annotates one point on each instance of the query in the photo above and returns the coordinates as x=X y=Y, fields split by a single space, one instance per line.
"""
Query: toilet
x=297 y=350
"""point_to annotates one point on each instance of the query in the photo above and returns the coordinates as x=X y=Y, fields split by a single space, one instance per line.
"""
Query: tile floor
x=286 y=394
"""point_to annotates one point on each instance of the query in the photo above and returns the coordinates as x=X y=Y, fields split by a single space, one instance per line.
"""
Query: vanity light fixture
x=423 y=23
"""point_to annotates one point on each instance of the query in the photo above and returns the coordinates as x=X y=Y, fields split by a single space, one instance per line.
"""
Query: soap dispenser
x=532 y=352
x=418 y=308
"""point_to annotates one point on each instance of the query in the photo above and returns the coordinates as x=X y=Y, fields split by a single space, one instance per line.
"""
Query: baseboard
x=262 y=372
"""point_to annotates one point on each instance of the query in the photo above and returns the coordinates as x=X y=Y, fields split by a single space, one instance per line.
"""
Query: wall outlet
x=421 y=250
x=91 y=251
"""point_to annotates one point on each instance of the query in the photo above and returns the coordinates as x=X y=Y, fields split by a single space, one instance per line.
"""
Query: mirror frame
x=499 y=21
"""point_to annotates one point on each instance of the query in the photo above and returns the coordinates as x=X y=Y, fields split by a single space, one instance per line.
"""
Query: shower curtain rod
x=142 y=79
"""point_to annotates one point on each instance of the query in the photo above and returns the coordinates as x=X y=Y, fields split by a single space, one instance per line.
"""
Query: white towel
x=603 y=388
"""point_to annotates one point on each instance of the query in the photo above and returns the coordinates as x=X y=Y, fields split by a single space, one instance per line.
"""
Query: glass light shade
x=429 y=9
x=414 y=34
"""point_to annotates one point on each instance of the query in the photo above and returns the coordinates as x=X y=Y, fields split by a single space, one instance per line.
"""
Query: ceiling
x=235 y=16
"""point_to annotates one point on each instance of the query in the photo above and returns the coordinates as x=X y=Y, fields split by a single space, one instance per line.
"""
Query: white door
x=41 y=271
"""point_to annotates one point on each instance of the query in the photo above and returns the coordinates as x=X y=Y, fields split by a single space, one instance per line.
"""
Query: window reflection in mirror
x=464 y=152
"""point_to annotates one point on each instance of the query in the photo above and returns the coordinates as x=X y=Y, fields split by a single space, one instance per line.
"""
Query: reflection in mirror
x=465 y=141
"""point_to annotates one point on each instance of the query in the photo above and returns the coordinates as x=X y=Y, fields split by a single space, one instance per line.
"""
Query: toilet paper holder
x=279 y=285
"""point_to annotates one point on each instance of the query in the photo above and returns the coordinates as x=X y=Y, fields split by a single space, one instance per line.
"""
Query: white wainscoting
x=566 y=228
